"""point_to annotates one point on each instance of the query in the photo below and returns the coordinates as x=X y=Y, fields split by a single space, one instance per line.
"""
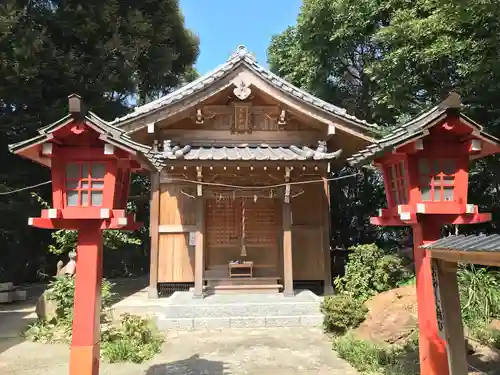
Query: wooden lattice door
x=223 y=231
x=233 y=223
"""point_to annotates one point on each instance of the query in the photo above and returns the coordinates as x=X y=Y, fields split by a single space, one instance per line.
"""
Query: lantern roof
x=107 y=133
x=418 y=128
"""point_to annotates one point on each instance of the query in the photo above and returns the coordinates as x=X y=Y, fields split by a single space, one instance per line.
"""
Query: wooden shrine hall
x=241 y=200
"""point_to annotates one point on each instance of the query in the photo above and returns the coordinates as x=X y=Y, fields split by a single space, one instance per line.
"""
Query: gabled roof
x=248 y=153
x=417 y=128
x=109 y=133
x=242 y=57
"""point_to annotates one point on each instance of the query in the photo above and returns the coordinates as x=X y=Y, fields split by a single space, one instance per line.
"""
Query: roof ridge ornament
x=453 y=100
x=242 y=51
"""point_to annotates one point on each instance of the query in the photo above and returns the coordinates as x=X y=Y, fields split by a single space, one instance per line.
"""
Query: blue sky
x=224 y=24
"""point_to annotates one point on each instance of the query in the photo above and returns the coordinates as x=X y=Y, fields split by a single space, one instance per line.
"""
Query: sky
x=222 y=25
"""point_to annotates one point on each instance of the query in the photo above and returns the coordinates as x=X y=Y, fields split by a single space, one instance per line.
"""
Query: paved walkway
x=231 y=351
x=269 y=351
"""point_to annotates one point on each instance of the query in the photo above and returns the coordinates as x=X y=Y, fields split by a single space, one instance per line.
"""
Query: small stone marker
x=9 y=293
x=6 y=287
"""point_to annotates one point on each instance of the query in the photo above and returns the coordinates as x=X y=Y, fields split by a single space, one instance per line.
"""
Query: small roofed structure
x=446 y=253
x=474 y=249
x=91 y=163
x=425 y=165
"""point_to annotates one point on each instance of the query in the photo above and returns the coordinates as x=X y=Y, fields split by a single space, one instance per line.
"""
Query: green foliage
x=342 y=312
x=356 y=199
x=479 y=295
x=372 y=359
x=388 y=60
x=58 y=328
x=480 y=299
x=65 y=240
x=370 y=271
x=134 y=340
x=112 y=53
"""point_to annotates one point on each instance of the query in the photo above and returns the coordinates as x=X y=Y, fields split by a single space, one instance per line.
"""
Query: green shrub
x=134 y=340
x=342 y=312
x=369 y=358
x=58 y=329
x=370 y=271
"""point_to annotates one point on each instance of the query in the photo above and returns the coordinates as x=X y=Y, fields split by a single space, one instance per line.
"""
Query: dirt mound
x=392 y=316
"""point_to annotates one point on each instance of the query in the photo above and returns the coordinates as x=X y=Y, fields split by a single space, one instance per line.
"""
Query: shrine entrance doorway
x=243 y=230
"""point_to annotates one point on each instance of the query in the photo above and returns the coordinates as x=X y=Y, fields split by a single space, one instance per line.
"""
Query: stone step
x=165 y=324
x=246 y=288
x=13 y=295
x=243 y=309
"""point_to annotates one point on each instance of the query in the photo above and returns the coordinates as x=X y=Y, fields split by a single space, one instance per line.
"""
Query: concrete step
x=165 y=324
x=245 y=288
x=242 y=309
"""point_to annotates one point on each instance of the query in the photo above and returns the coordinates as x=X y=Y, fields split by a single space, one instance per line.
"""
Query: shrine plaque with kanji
x=242 y=118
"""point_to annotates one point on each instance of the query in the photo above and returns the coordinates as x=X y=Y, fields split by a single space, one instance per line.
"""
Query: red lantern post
x=91 y=164
x=425 y=166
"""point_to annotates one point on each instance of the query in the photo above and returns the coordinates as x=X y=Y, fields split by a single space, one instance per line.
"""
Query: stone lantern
x=425 y=165
x=91 y=164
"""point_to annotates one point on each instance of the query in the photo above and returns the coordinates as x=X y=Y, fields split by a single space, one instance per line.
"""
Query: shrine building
x=229 y=209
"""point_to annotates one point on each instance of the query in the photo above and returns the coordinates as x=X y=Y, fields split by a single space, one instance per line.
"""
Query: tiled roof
x=480 y=242
x=113 y=135
x=246 y=153
x=242 y=56
x=414 y=129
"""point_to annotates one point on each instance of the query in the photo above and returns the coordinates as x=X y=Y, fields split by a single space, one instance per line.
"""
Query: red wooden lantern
x=425 y=166
x=91 y=163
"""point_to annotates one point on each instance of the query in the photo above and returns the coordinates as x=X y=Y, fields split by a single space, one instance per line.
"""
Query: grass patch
x=135 y=339
x=373 y=359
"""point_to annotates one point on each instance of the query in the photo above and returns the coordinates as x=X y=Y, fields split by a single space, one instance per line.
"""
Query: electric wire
x=25 y=188
x=242 y=187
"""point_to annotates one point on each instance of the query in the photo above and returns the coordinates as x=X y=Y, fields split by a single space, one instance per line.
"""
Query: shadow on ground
x=485 y=361
x=125 y=287
x=189 y=366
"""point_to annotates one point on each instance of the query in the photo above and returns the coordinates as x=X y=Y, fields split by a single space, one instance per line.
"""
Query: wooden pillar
x=85 y=347
x=199 y=261
x=287 y=240
x=154 y=223
x=449 y=314
x=432 y=347
x=328 y=287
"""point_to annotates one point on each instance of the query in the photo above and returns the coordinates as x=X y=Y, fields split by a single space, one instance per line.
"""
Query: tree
x=328 y=51
x=107 y=51
x=387 y=60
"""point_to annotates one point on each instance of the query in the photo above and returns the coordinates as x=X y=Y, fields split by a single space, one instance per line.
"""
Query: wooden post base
x=432 y=347
x=84 y=360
